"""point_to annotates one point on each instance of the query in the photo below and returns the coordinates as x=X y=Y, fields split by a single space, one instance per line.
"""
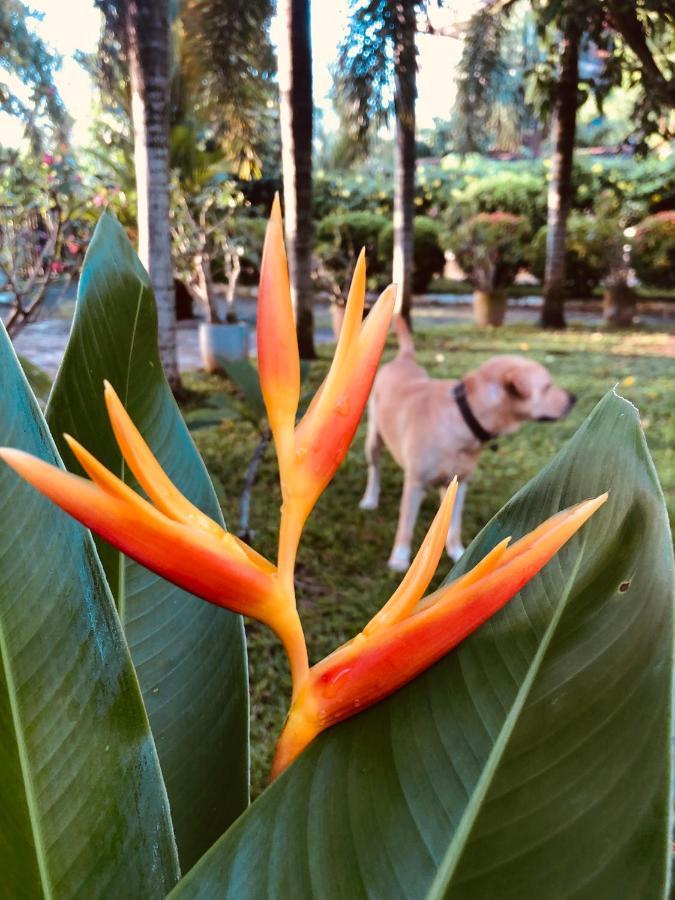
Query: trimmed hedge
x=593 y=246
x=653 y=250
x=490 y=248
x=428 y=256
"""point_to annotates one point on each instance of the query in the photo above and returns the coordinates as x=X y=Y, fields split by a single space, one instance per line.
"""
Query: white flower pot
x=222 y=341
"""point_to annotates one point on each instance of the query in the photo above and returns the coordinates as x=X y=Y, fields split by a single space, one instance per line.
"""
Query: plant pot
x=489 y=307
x=219 y=341
x=619 y=305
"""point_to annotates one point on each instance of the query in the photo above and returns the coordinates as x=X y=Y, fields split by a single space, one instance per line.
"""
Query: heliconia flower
x=310 y=454
x=168 y=535
x=407 y=637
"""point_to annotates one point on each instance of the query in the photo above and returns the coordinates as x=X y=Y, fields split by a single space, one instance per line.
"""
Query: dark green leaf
x=83 y=809
x=190 y=656
x=531 y=762
x=245 y=377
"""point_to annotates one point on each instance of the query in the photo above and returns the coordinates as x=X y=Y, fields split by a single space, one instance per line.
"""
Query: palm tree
x=148 y=42
x=380 y=47
x=560 y=191
x=566 y=29
x=142 y=30
x=295 y=107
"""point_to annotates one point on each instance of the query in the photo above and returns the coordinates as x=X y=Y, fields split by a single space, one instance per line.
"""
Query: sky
x=71 y=25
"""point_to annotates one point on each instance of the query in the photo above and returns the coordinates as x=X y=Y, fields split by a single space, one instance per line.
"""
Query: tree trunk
x=405 y=64
x=560 y=188
x=148 y=47
x=295 y=96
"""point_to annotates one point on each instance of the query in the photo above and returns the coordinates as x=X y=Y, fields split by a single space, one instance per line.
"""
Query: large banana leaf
x=190 y=656
x=83 y=809
x=532 y=762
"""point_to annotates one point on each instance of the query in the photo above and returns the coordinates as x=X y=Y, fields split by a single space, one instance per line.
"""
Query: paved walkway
x=43 y=342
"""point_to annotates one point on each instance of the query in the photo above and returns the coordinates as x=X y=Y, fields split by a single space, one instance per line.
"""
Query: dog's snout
x=572 y=398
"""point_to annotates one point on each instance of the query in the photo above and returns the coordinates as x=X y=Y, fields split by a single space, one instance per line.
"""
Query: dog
x=437 y=428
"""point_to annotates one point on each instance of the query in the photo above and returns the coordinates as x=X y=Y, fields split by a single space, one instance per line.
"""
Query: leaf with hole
x=532 y=761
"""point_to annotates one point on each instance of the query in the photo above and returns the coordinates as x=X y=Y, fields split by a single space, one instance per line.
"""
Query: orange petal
x=278 y=357
x=148 y=472
x=420 y=573
x=347 y=347
x=194 y=560
x=322 y=440
x=114 y=485
x=487 y=565
x=369 y=668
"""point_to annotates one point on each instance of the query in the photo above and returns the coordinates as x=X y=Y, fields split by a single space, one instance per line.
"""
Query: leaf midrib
x=122 y=575
x=22 y=751
x=459 y=840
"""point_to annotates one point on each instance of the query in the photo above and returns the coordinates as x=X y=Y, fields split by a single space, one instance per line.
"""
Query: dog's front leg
x=413 y=492
x=453 y=544
x=371 y=498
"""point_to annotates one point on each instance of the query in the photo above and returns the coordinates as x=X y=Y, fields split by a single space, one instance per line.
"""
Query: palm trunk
x=148 y=47
x=560 y=188
x=295 y=90
x=405 y=65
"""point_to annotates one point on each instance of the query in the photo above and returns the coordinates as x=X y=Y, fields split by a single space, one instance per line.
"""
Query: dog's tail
x=405 y=341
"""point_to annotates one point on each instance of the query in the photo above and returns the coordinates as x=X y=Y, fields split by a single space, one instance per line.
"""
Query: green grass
x=342 y=577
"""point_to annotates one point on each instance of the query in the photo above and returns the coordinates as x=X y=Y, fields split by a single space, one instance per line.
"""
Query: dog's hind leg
x=453 y=544
x=371 y=498
x=413 y=493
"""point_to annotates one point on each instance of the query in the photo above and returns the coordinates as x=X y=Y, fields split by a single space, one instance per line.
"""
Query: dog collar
x=472 y=423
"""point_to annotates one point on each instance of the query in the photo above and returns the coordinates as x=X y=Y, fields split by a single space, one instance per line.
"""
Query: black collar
x=472 y=423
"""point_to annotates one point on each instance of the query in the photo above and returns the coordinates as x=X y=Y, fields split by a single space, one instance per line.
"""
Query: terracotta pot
x=489 y=307
x=222 y=341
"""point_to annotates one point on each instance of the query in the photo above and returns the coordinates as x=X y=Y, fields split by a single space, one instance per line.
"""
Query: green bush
x=490 y=248
x=429 y=258
x=340 y=237
x=519 y=193
x=593 y=247
x=653 y=250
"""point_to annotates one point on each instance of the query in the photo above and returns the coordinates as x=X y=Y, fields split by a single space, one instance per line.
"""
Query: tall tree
x=142 y=27
x=634 y=38
x=560 y=188
x=295 y=113
x=148 y=48
x=379 y=49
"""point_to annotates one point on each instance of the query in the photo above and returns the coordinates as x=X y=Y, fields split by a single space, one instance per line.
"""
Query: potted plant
x=490 y=248
x=200 y=232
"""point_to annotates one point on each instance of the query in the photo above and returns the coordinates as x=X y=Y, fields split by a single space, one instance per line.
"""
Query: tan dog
x=436 y=429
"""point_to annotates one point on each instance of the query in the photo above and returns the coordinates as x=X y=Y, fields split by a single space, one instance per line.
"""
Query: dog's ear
x=517 y=385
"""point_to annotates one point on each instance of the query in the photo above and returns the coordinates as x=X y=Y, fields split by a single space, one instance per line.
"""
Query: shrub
x=519 y=193
x=340 y=237
x=429 y=258
x=653 y=250
x=593 y=245
x=490 y=248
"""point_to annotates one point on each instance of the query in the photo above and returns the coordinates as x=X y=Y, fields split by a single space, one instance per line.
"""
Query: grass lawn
x=342 y=577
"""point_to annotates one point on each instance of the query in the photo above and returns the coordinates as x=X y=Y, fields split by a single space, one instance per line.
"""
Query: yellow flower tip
x=417 y=578
x=278 y=355
x=275 y=214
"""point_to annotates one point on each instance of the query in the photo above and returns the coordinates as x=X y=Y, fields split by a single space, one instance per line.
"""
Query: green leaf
x=190 y=656
x=83 y=808
x=245 y=377
x=531 y=762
